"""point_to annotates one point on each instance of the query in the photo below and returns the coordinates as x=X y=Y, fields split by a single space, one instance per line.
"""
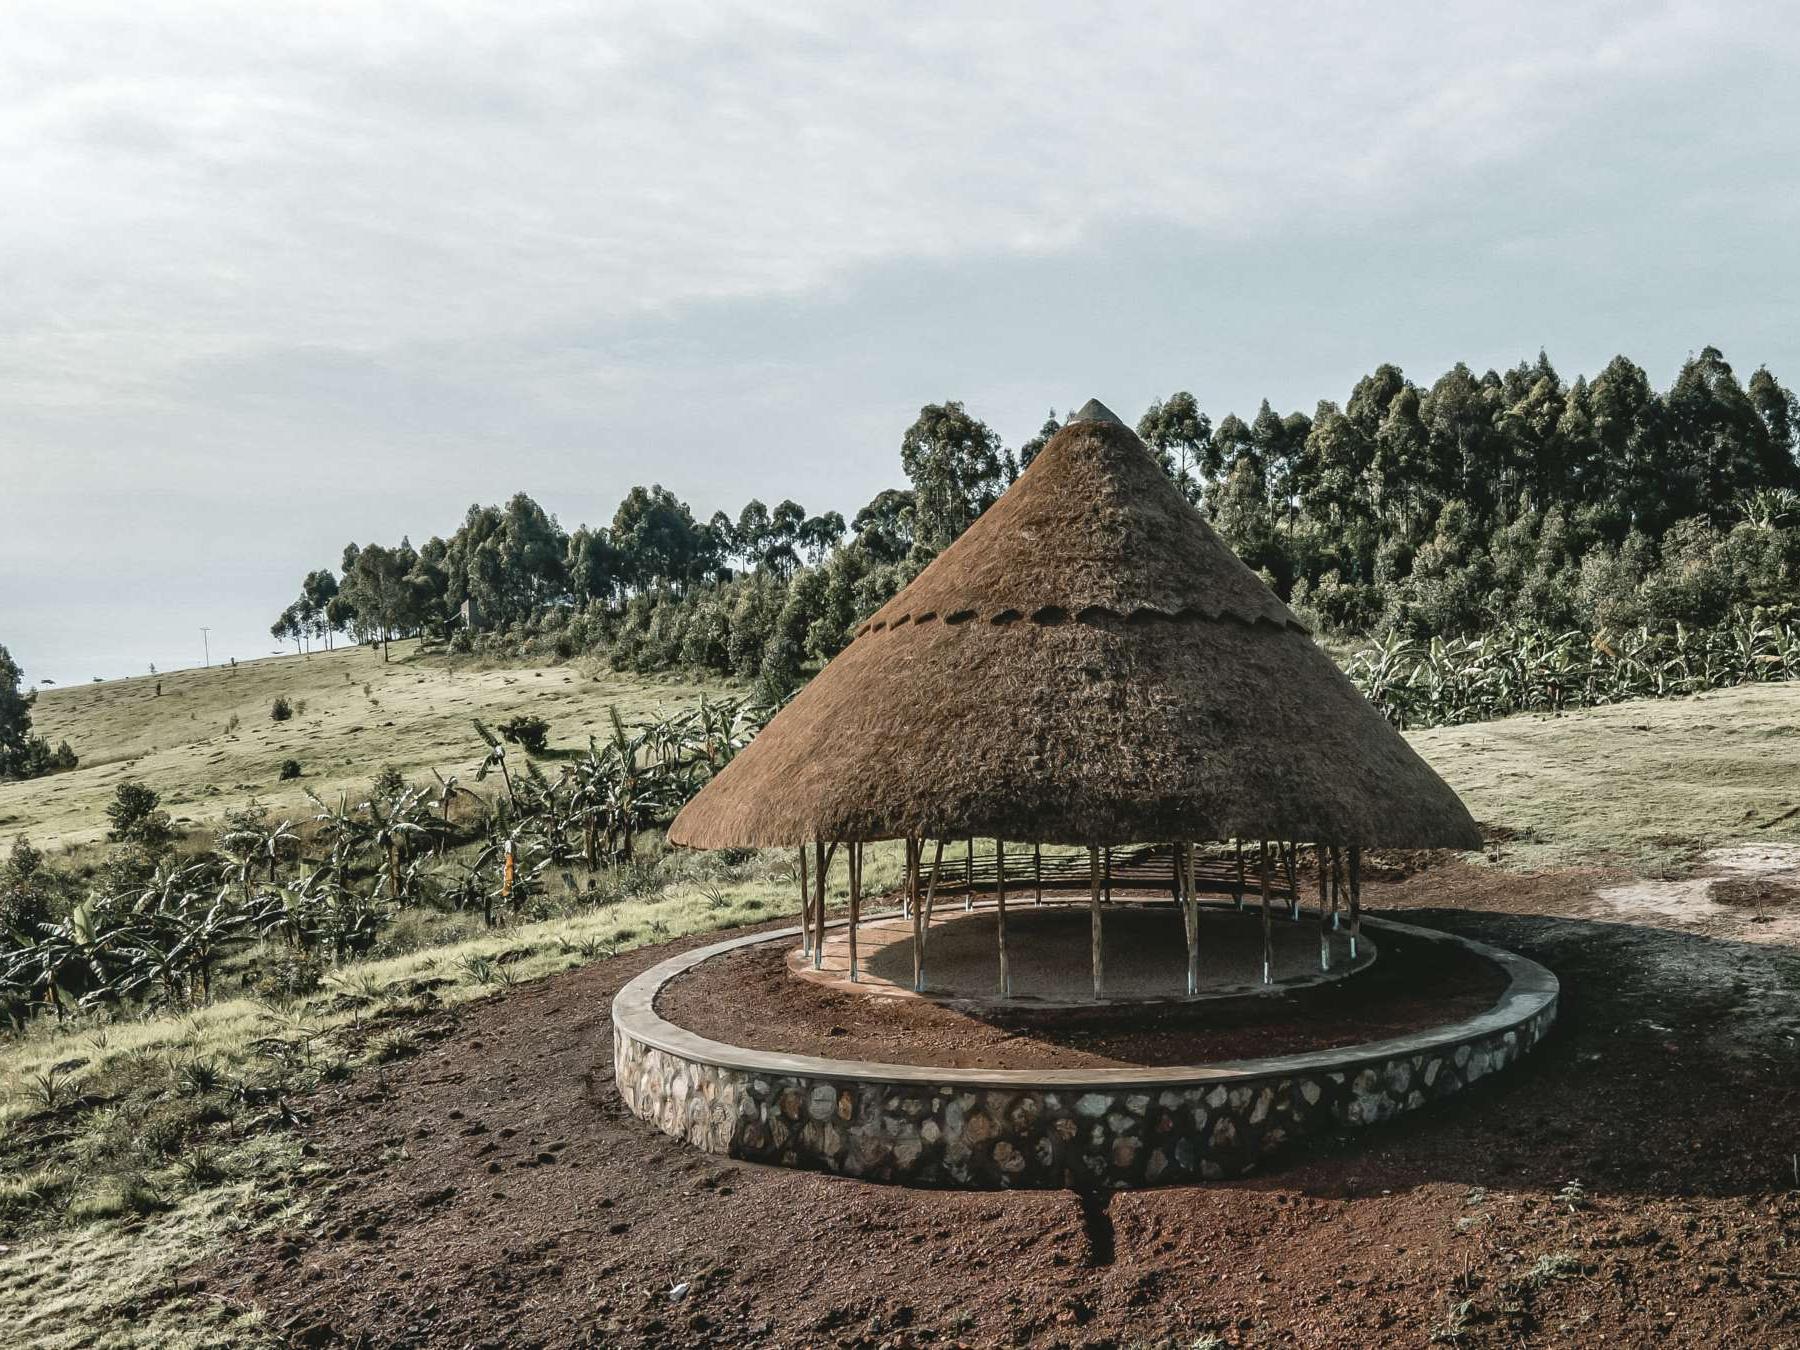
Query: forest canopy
x=1442 y=509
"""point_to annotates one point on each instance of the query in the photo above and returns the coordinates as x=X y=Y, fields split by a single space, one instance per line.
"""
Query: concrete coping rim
x=1530 y=989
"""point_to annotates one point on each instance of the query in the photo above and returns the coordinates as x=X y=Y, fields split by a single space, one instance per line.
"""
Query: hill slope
x=1640 y=785
x=1637 y=784
x=353 y=714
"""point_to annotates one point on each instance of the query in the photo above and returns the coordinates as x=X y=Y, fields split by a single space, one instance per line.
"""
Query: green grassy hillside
x=1634 y=784
x=1639 y=785
x=412 y=711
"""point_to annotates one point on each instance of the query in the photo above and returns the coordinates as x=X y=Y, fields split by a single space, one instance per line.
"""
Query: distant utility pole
x=206 y=647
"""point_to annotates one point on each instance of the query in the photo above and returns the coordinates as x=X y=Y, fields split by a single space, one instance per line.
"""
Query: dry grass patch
x=208 y=742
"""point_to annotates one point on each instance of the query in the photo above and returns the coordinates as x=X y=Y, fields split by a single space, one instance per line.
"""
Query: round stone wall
x=1081 y=1128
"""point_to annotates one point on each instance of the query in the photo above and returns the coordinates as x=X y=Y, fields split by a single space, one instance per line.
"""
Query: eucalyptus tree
x=957 y=471
x=887 y=527
x=1030 y=448
x=15 y=718
x=1181 y=438
x=819 y=535
x=781 y=553
x=660 y=541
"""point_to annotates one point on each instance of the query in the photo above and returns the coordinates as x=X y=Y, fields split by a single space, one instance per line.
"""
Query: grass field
x=1642 y=785
x=359 y=713
x=97 y=1224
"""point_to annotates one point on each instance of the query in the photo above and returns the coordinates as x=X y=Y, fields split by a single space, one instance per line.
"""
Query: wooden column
x=1106 y=873
x=922 y=926
x=1337 y=883
x=1000 y=916
x=1094 y=913
x=1268 y=935
x=913 y=848
x=1238 y=893
x=969 y=899
x=1355 y=897
x=823 y=857
x=805 y=907
x=1324 y=918
x=1292 y=864
x=856 y=857
x=1191 y=906
x=1037 y=870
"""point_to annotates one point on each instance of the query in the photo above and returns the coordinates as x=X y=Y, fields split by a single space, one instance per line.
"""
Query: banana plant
x=495 y=759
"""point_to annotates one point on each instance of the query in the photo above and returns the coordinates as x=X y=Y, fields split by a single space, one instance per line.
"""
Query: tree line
x=23 y=753
x=1415 y=510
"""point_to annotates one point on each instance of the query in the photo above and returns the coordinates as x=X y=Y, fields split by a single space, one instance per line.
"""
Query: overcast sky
x=274 y=277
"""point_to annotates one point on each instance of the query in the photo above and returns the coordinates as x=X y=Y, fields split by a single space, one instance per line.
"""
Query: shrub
x=36 y=759
x=528 y=730
x=280 y=710
x=136 y=818
x=290 y=769
x=26 y=888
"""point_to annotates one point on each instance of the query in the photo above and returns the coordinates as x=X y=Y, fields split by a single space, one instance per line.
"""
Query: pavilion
x=1089 y=664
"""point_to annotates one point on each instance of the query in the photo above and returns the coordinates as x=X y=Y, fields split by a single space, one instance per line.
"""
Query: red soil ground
x=1634 y=1181
x=749 y=998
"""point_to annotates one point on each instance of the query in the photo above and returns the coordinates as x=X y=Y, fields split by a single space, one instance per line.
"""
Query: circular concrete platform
x=1090 y=1127
x=1049 y=954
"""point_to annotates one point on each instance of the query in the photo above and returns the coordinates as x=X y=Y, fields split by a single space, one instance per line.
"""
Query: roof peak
x=1094 y=411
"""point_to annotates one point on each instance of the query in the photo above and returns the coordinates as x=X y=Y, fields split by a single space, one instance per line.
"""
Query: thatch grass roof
x=1088 y=664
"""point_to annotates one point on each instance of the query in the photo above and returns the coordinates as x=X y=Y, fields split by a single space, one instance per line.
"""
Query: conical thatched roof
x=1088 y=664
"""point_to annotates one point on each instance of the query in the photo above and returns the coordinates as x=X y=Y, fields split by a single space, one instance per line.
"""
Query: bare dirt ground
x=1635 y=1181
x=749 y=997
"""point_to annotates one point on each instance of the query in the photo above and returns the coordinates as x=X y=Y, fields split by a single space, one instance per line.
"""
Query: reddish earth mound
x=1632 y=1181
x=748 y=998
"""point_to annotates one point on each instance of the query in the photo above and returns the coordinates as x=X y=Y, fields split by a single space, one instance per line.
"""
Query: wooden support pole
x=1191 y=903
x=1238 y=892
x=1106 y=874
x=1355 y=897
x=823 y=858
x=1094 y=913
x=906 y=877
x=805 y=907
x=1268 y=935
x=1292 y=863
x=1000 y=916
x=924 y=927
x=1324 y=919
x=1037 y=870
x=1337 y=884
x=856 y=857
x=913 y=848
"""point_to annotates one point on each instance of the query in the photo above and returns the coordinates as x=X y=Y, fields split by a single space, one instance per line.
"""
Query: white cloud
x=192 y=180
x=274 y=274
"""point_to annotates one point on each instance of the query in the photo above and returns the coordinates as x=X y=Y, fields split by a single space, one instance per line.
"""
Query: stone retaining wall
x=1092 y=1128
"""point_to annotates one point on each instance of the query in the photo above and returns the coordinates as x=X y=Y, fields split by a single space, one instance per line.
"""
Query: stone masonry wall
x=1093 y=1136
